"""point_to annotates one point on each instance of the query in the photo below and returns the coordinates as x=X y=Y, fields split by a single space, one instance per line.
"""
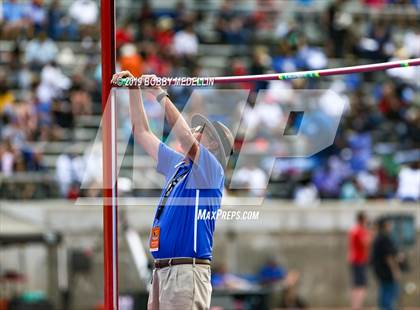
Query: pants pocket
x=204 y=273
x=202 y=287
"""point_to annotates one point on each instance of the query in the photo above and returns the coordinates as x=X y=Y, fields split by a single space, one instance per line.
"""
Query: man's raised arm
x=189 y=144
x=141 y=130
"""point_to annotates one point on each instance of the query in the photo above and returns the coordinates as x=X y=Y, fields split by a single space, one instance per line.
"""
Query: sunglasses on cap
x=199 y=129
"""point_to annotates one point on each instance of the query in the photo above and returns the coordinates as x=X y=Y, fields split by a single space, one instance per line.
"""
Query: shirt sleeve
x=207 y=172
x=167 y=159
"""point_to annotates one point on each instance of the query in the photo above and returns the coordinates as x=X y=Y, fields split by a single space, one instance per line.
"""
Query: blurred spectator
x=290 y=300
x=37 y=15
x=70 y=172
x=146 y=12
x=261 y=62
x=361 y=147
x=306 y=194
x=80 y=96
x=186 y=42
x=230 y=25
x=250 y=177
x=124 y=34
x=157 y=62
x=377 y=4
x=273 y=275
x=164 y=32
x=15 y=19
x=62 y=113
x=377 y=45
x=358 y=256
x=328 y=179
x=130 y=60
x=13 y=132
x=7 y=157
x=271 y=272
x=54 y=17
x=85 y=12
x=40 y=51
x=369 y=181
x=385 y=266
x=53 y=83
x=147 y=32
x=262 y=19
x=74 y=191
x=222 y=279
x=289 y=297
x=409 y=182
x=413 y=127
x=24 y=77
x=64 y=174
x=390 y=104
x=411 y=39
x=6 y=96
x=409 y=75
x=338 y=25
x=309 y=57
x=59 y=25
x=285 y=59
x=263 y=119
x=91 y=176
x=238 y=67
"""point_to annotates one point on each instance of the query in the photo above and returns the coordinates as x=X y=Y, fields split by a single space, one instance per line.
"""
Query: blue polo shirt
x=183 y=232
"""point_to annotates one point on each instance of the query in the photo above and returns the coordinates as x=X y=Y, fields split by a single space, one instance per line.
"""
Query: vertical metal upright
x=109 y=148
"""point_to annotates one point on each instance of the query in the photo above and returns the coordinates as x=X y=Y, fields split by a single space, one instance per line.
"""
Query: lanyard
x=171 y=185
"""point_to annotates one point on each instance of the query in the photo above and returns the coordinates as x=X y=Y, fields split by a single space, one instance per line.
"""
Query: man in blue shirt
x=180 y=241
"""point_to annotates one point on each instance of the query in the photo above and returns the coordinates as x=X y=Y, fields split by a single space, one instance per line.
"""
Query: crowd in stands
x=44 y=88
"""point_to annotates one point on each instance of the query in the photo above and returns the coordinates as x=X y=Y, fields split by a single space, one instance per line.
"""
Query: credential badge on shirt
x=154 y=239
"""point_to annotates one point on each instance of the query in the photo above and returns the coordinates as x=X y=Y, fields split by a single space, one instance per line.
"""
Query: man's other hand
x=154 y=90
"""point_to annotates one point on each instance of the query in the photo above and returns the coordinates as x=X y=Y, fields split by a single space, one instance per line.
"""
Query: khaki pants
x=180 y=287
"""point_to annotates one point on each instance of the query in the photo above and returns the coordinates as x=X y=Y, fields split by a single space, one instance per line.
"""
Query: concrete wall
x=319 y=257
x=310 y=240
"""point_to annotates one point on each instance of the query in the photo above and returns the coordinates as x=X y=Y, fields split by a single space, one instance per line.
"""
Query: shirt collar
x=182 y=162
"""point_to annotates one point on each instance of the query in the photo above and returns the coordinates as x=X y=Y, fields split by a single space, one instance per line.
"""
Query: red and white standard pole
x=109 y=148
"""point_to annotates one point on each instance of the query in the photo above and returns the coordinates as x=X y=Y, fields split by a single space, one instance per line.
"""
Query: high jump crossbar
x=320 y=73
x=293 y=75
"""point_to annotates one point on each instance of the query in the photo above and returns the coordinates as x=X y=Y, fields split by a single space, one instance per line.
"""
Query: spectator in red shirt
x=359 y=243
x=164 y=33
x=124 y=34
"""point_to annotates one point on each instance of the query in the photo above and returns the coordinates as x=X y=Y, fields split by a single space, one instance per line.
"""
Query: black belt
x=167 y=262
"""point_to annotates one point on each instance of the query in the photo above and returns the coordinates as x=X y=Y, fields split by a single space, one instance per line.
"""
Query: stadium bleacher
x=50 y=119
x=213 y=57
